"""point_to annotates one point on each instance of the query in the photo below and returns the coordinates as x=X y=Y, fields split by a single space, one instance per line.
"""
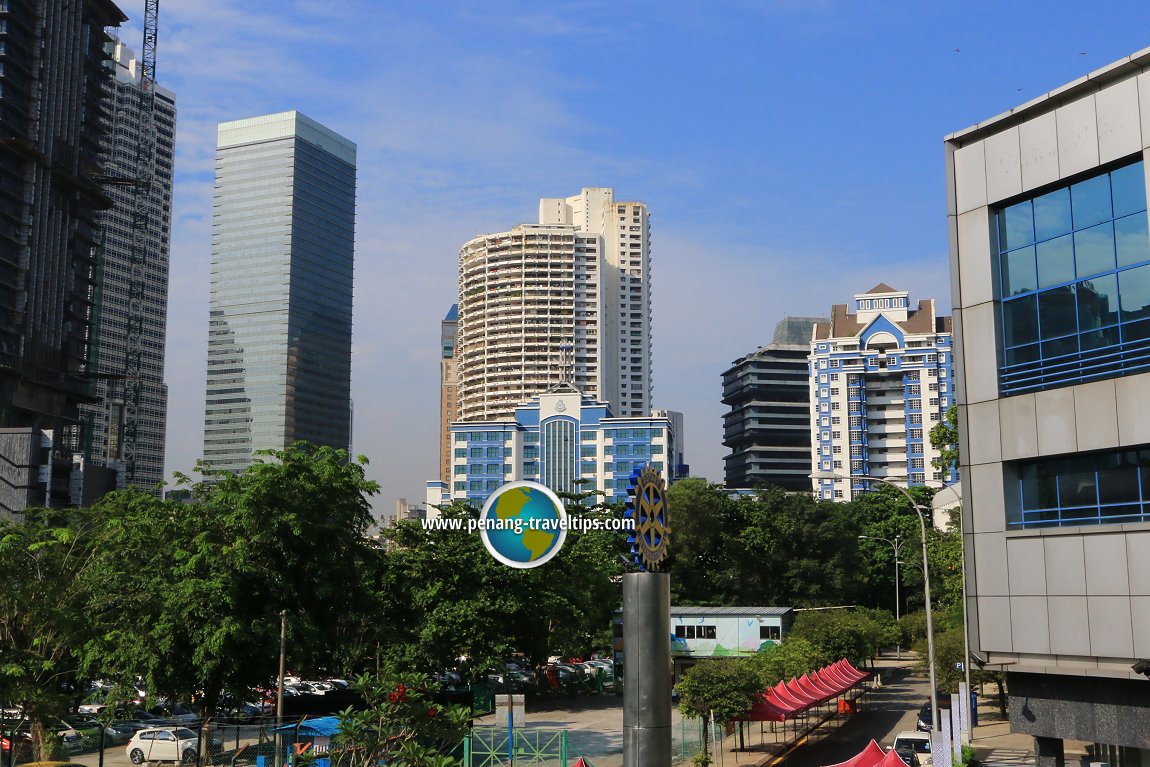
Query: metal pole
x=934 y=712
x=647 y=683
x=897 y=599
x=280 y=689
x=510 y=714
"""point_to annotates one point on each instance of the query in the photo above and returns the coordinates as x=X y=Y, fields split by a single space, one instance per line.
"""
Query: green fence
x=490 y=747
x=687 y=738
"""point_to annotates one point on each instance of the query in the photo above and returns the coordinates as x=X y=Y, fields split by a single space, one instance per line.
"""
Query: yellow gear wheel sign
x=652 y=521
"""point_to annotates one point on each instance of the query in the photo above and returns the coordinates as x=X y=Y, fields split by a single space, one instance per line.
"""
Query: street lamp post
x=921 y=511
x=896 y=544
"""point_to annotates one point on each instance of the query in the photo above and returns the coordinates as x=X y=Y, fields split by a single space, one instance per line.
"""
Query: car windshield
x=183 y=733
x=918 y=745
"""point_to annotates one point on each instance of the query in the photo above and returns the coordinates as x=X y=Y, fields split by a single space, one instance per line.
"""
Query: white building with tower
x=572 y=292
x=881 y=376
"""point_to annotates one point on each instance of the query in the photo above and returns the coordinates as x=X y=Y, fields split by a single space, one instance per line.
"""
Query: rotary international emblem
x=647 y=506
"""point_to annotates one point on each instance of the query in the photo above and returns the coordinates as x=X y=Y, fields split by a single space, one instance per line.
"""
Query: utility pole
x=280 y=689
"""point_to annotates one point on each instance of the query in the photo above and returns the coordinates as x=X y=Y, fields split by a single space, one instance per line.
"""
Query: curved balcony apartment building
x=566 y=300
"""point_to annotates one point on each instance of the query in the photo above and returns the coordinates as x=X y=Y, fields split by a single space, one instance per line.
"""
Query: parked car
x=18 y=732
x=123 y=731
x=176 y=713
x=908 y=755
x=163 y=744
x=917 y=742
x=19 y=741
x=925 y=721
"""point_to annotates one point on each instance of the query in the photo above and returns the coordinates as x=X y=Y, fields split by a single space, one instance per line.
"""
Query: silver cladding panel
x=647 y=670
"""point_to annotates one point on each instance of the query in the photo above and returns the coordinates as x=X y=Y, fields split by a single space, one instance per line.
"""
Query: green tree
x=944 y=439
x=772 y=548
x=459 y=602
x=792 y=658
x=400 y=724
x=42 y=615
x=720 y=689
x=856 y=635
x=702 y=519
x=188 y=595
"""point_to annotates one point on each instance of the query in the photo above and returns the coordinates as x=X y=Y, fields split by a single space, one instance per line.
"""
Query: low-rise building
x=565 y=440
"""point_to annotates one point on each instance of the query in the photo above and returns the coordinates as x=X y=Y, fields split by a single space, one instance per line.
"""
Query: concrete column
x=1048 y=752
x=646 y=670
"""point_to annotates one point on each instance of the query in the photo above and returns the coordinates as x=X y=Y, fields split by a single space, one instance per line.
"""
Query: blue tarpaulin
x=320 y=727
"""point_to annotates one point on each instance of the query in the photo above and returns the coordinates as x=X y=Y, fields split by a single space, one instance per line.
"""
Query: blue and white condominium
x=566 y=441
x=881 y=377
x=1049 y=248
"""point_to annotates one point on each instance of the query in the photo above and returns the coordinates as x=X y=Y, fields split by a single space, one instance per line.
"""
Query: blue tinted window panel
x=1128 y=187
x=1096 y=488
x=1086 y=317
x=1016 y=226
x=1055 y=261
x=1131 y=242
x=1052 y=215
x=1094 y=250
x=1090 y=201
x=1019 y=273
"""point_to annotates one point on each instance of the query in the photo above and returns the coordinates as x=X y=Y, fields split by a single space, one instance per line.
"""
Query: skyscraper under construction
x=52 y=82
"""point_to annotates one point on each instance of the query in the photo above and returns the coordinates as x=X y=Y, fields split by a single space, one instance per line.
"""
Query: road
x=885 y=712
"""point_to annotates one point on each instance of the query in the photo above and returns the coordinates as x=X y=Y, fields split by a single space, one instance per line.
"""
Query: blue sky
x=790 y=153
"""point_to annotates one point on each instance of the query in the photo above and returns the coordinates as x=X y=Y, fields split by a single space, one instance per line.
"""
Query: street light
x=896 y=544
x=922 y=512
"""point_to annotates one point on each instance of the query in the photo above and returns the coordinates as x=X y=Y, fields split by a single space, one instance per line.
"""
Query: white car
x=919 y=742
x=163 y=744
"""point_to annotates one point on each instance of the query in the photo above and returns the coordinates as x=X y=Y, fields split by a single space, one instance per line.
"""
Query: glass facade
x=559 y=472
x=279 y=339
x=1110 y=487
x=1074 y=266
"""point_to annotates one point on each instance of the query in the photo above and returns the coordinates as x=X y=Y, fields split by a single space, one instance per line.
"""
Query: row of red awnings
x=873 y=756
x=787 y=699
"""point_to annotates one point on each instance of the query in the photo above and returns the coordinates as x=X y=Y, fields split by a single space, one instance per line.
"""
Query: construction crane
x=141 y=198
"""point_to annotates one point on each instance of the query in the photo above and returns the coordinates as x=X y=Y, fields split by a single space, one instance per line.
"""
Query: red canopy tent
x=787 y=699
x=870 y=756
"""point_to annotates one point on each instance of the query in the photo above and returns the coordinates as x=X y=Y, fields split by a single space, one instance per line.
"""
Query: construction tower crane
x=141 y=198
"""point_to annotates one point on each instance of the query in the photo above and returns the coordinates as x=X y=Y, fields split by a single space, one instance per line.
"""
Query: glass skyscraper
x=279 y=335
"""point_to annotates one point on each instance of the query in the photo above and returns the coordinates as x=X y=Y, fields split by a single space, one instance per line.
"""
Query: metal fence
x=213 y=744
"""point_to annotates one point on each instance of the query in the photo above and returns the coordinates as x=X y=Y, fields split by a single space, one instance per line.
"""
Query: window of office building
x=1111 y=487
x=1074 y=266
x=559 y=454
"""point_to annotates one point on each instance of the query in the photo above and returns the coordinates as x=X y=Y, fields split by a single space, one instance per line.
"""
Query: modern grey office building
x=768 y=426
x=279 y=336
x=52 y=79
x=1050 y=263
x=103 y=421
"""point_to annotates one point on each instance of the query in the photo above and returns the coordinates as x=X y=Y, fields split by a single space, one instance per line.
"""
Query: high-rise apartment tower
x=104 y=420
x=881 y=377
x=567 y=300
x=448 y=388
x=279 y=335
x=52 y=80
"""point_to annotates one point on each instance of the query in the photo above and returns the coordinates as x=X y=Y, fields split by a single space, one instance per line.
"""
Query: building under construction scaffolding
x=103 y=421
x=52 y=88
